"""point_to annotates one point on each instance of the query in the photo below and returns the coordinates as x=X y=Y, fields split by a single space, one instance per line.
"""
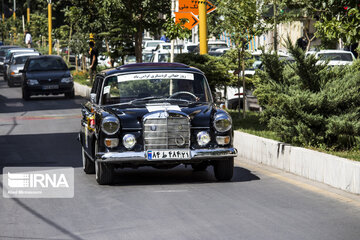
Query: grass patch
x=81 y=78
x=252 y=125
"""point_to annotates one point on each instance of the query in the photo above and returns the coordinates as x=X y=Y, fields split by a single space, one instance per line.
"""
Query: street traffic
x=149 y=203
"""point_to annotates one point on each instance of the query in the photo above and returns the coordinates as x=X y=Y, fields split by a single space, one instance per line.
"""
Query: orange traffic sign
x=193 y=6
x=193 y=20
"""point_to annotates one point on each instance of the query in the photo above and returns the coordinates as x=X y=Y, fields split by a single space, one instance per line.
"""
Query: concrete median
x=329 y=169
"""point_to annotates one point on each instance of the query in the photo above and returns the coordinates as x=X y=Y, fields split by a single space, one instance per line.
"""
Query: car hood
x=45 y=75
x=131 y=118
x=16 y=68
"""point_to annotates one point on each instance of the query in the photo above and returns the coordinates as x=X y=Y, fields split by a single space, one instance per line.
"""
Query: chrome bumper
x=118 y=157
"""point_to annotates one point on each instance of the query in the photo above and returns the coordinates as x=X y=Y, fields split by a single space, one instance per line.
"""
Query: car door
x=88 y=120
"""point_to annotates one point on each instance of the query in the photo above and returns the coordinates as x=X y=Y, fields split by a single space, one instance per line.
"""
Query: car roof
x=20 y=54
x=141 y=67
x=333 y=51
x=45 y=56
x=21 y=49
x=9 y=46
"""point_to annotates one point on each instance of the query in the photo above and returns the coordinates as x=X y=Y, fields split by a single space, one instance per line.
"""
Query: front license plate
x=156 y=155
x=48 y=87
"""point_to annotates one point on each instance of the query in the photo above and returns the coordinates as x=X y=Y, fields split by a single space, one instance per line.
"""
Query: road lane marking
x=300 y=184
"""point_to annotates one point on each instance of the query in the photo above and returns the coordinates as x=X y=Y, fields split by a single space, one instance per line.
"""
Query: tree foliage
x=310 y=104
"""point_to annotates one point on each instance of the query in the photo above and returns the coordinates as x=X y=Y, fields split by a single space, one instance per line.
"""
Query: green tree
x=241 y=19
x=307 y=103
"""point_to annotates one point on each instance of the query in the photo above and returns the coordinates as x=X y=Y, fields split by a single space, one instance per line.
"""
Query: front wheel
x=88 y=165
x=70 y=94
x=224 y=169
x=104 y=173
x=25 y=94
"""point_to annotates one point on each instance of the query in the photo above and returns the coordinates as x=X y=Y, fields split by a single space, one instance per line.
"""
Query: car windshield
x=152 y=44
x=147 y=57
x=47 y=64
x=336 y=56
x=168 y=47
x=143 y=88
x=20 y=60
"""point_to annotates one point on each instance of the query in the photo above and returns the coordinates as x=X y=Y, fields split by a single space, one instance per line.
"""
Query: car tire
x=10 y=83
x=199 y=166
x=25 y=94
x=88 y=165
x=70 y=94
x=104 y=173
x=224 y=169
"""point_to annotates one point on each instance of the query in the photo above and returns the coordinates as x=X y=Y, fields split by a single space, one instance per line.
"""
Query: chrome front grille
x=171 y=132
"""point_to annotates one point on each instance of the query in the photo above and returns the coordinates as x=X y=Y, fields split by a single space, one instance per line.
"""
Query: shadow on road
x=178 y=175
x=41 y=150
x=36 y=103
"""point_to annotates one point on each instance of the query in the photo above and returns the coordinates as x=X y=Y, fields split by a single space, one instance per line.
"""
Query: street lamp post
x=50 y=26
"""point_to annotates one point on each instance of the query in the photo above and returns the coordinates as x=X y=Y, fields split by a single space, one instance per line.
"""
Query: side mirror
x=22 y=71
x=93 y=97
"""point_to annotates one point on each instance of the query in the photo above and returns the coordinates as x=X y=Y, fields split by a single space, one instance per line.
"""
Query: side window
x=96 y=88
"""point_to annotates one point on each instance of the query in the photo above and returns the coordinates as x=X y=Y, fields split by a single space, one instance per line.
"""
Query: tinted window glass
x=47 y=64
x=20 y=60
x=336 y=56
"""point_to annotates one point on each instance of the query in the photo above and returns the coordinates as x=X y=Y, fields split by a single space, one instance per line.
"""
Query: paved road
x=155 y=204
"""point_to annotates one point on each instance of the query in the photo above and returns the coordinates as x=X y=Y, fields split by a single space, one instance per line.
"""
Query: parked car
x=16 y=63
x=190 y=47
x=150 y=45
x=45 y=75
x=161 y=56
x=3 y=51
x=335 y=57
x=166 y=47
x=154 y=114
x=9 y=54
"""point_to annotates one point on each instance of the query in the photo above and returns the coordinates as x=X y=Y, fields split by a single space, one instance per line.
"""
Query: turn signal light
x=111 y=142
x=223 y=140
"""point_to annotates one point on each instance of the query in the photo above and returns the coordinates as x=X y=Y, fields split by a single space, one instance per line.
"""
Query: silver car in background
x=16 y=64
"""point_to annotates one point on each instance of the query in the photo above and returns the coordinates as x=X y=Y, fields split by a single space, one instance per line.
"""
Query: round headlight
x=203 y=138
x=129 y=141
x=110 y=125
x=222 y=122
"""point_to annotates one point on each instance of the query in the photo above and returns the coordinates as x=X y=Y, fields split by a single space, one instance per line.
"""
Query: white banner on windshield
x=146 y=76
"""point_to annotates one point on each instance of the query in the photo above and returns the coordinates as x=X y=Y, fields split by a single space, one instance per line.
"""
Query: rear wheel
x=224 y=169
x=25 y=94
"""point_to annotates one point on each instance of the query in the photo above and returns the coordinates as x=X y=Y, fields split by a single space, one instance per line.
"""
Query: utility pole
x=275 y=27
x=28 y=11
x=2 y=11
x=172 y=40
x=50 y=26
x=203 y=27
x=14 y=11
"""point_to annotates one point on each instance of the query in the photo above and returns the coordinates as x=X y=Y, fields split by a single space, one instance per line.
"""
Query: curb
x=325 y=168
x=81 y=90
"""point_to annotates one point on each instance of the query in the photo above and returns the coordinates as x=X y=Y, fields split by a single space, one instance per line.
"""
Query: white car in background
x=166 y=47
x=151 y=45
x=335 y=57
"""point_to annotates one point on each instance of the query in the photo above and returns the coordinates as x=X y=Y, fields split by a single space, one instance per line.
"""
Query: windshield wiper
x=144 y=99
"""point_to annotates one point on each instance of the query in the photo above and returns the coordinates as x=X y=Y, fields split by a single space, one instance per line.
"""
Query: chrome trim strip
x=118 y=157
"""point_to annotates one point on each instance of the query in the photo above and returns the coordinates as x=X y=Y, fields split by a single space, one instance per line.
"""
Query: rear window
x=47 y=64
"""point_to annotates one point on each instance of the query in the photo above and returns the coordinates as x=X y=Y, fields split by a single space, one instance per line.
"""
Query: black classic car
x=154 y=114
